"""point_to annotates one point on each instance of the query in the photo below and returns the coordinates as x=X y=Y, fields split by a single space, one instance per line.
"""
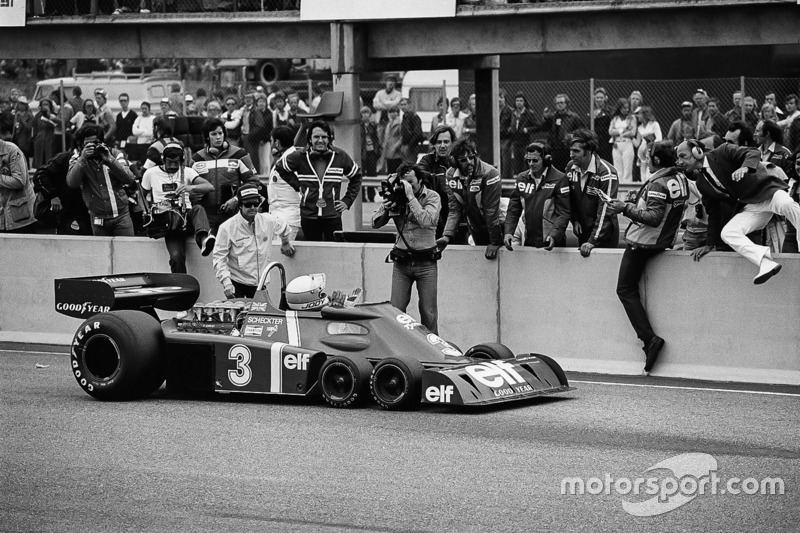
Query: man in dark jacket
x=69 y=213
x=436 y=164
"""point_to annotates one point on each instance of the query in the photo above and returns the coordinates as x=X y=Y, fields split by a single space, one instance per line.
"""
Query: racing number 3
x=242 y=374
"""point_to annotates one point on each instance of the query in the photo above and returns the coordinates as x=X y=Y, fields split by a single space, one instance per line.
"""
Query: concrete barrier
x=718 y=325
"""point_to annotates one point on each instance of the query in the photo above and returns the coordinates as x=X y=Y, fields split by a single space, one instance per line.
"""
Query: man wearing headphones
x=436 y=164
x=170 y=187
x=655 y=219
x=163 y=132
x=244 y=244
x=475 y=190
x=542 y=192
x=225 y=167
x=735 y=176
x=317 y=173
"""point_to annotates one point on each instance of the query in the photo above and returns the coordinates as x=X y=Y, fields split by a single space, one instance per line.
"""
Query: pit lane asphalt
x=234 y=463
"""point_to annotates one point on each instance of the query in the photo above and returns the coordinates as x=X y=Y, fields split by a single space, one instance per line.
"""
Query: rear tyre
x=119 y=355
x=344 y=380
x=269 y=71
x=396 y=383
x=490 y=350
x=555 y=367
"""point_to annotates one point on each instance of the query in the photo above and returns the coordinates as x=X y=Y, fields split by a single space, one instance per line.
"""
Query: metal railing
x=51 y=8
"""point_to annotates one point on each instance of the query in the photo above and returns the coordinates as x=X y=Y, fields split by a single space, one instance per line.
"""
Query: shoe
x=208 y=245
x=651 y=350
x=768 y=269
x=144 y=11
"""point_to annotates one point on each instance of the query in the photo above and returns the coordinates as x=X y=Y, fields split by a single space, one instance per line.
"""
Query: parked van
x=424 y=88
x=150 y=87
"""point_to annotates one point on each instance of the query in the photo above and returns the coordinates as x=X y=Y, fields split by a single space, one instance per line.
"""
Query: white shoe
x=768 y=269
x=144 y=11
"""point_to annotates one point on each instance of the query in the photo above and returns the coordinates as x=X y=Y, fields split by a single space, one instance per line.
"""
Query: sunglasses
x=465 y=160
x=251 y=205
x=533 y=160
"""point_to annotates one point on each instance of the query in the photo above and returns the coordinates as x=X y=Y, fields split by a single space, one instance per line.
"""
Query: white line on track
x=686 y=388
x=36 y=352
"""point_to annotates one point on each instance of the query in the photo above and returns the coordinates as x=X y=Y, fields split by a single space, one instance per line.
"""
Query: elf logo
x=296 y=361
x=495 y=374
x=441 y=394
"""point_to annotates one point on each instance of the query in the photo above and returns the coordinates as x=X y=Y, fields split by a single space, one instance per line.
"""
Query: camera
x=100 y=149
x=392 y=189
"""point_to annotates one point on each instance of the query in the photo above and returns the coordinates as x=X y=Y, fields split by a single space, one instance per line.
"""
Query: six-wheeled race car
x=346 y=354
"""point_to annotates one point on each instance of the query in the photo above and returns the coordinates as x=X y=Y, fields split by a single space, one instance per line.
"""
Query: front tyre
x=555 y=367
x=490 y=351
x=119 y=355
x=397 y=383
x=344 y=380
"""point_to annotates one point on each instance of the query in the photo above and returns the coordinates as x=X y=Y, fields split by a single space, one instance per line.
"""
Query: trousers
x=631 y=269
x=425 y=274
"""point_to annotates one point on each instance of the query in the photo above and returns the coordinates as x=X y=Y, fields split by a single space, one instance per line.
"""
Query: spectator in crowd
x=792 y=114
x=700 y=100
x=655 y=218
x=635 y=100
x=105 y=117
x=5 y=110
x=76 y=101
x=542 y=192
x=23 y=128
x=176 y=100
x=393 y=141
x=559 y=126
x=649 y=131
x=247 y=144
x=260 y=126
x=371 y=151
x=735 y=174
x=455 y=117
x=163 y=131
x=475 y=191
x=735 y=113
x=740 y=134
x=790 y=241
x=415 y=253
x=226 y=168
x=101 y=175
x=166 y=108
x=686 y=127
x=87 y=115
x=588 y=173
x=69 y=215
x=411 y=131
x=244 y=244
x=602 y=121
x=436 y=164
x=124 y=121
x=520 y=128
x=470 y=129
x=318 y=174
x=213 y=109
x=44 y=127
x=284 y=201
x=768 y=112
x=293 y=107
x=769 y=139
x=750 y=114
x=16 y=190
x=63 y=116
x=170 y=188
x=623 y=130
x=506 y=115
x=14 y=95
x=191 y=106
x=385 y=98
x=771 y=100
x=200 y=100
x=714 y=122
x=143 y=125
x=446 y=116
x=232 y=116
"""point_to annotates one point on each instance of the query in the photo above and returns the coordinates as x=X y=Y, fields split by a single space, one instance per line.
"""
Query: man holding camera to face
x=415 y=210
x=101 y=175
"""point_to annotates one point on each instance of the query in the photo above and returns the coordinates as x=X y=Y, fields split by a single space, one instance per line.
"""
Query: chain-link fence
x=51 y=8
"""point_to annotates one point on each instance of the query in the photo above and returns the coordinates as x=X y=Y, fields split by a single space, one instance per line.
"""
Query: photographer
x=415 y=210
x=101 y=176
x=170 y=186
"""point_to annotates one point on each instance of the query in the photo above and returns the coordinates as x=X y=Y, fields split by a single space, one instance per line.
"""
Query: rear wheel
x=269 y=71
x=345 y=380
x=118 y=355
x=396 y=383
x=490 y=350
x=555 y=367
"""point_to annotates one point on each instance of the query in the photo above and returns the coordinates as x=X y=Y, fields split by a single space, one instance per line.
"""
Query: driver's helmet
x=305 y=293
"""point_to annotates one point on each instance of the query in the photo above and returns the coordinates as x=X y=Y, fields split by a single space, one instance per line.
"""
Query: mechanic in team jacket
x=542 y=192
x=655 y=219
x=436 y=164
x=591 y=221
x=475 y=190
x=224 y=166
x=317 y=173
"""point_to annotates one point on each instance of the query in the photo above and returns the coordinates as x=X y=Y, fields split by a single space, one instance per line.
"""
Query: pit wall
x=717 y=324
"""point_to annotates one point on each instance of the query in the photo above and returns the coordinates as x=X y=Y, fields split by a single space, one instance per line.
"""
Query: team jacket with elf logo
x=598 y=226
x=477 y=198
x=226 y=170
x=300 y=169
x=656 y=214
x=546 y=207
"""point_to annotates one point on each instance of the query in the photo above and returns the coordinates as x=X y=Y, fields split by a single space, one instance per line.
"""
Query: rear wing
x=84 y=297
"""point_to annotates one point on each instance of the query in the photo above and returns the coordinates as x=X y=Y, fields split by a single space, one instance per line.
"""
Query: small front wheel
x=344 y=380
x=490 y=350
x=397 y=383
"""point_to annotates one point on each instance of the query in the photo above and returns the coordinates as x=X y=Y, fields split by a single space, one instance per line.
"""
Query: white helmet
x=305 y=293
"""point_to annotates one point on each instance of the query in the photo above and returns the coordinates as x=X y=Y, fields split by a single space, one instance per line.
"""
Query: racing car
x=346 y=354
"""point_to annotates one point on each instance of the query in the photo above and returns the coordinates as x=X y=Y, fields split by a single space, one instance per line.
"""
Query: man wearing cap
x=191 y=106
x=166 y=109
x=244 y=244
x=686 y=127
x=170 y=187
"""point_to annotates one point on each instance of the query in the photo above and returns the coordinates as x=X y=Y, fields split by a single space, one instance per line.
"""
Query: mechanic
x=475 y=190
x=244 y=244
x=163 y=132
x=655 y=220
x=284 y=201
x=436 y=163
x=542 y=192
x=587 y=173
x=224 y=166
x=735 y=175
x=415 y=210
x=170 y=187
x=101 y=173
x=317 y=173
